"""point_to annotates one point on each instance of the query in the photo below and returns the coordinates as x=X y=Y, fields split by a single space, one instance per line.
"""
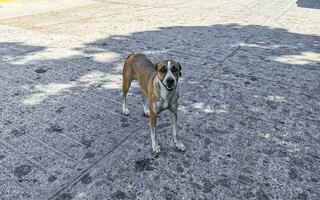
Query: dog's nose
x=170 y=81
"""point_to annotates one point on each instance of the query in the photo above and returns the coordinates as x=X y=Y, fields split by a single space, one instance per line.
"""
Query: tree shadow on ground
x=8 y=50
x=315 y=4
x=248 y=114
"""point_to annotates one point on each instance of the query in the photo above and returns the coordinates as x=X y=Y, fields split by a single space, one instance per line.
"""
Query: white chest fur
x=167 y=98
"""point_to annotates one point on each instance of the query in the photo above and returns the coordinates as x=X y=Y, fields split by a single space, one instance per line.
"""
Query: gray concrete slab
x=248 y=114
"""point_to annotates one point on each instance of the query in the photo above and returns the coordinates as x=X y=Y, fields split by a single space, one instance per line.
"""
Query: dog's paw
x=156 y=148
x=147 y=113
x=180 y=146
x=125 y=111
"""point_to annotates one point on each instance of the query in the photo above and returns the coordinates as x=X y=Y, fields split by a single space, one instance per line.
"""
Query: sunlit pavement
x=249 y=103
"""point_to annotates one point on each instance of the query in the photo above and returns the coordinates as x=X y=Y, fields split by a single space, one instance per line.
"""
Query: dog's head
x=168 y=72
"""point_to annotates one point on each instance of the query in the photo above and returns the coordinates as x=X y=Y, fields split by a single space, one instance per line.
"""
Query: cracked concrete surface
x=249 y=105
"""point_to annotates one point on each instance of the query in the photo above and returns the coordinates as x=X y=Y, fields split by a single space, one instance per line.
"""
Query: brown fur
x=149 y=76
x=137 y=67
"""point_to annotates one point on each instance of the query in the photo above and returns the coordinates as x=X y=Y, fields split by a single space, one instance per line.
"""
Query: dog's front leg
x=180 y=146
x=145 y=105
x=153 y=123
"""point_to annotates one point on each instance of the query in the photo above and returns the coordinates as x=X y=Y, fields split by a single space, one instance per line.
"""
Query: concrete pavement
x=249 y=105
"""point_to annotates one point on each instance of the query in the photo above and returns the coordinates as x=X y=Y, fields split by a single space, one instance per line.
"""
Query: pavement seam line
x=78 y=177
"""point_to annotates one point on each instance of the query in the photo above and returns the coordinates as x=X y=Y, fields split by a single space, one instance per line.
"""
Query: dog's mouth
x=169 y=87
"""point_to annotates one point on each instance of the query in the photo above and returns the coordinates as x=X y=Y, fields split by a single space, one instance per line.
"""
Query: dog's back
x=137 y=67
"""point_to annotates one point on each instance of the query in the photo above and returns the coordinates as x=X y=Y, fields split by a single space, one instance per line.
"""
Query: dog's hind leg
x=126 y=82
x=125 y=109
x=144 y=102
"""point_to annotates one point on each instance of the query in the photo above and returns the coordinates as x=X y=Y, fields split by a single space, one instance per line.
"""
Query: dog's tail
x=127 y=60
x=129 y=57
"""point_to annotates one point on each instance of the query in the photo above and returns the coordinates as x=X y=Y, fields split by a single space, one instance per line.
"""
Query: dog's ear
x=156 y=67
x=179 y=69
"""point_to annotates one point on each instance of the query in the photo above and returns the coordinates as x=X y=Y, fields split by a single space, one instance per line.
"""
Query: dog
x=159 y=86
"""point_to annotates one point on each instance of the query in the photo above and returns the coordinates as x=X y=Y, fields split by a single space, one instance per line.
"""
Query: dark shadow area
x=9 y=50
x=314 y=4
x=249 y=116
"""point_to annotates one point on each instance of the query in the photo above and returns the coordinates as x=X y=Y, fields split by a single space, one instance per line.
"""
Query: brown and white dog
x=159 y=86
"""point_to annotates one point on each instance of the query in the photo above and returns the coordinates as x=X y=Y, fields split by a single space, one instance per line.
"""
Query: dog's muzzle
x=170 y=84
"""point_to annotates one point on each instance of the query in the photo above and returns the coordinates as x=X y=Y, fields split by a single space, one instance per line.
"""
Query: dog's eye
x=174 y=70
x=163 y=70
